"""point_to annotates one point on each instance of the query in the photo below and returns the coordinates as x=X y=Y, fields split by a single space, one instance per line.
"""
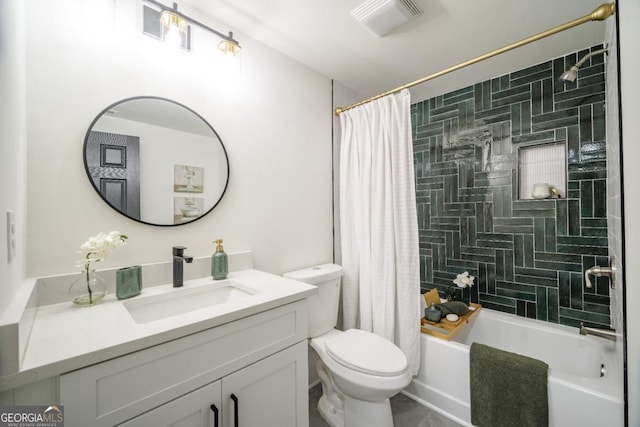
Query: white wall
x=628 y=14
x=12 y=144
x=274 y=118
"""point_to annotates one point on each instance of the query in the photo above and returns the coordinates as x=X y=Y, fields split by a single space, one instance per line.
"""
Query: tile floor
x=406 y=412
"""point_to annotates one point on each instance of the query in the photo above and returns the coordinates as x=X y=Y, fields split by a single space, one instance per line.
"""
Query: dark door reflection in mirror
x=113 y=163
x=156 y=161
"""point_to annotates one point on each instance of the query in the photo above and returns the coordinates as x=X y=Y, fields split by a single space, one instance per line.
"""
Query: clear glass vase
x=466 y=295
x=456 y=293
x=88 y=289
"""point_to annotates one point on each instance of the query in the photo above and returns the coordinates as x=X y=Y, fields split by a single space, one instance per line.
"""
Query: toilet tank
x=323 y=307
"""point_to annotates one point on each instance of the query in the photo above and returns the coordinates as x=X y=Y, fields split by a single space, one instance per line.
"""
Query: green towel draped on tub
x=507 y=389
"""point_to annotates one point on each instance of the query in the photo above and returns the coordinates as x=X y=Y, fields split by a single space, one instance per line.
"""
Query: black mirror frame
x=97 y=190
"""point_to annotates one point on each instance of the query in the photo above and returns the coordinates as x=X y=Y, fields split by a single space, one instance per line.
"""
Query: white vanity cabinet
x=253 y=371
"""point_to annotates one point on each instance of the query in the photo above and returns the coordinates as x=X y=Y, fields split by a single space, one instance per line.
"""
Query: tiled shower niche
x=528 y=256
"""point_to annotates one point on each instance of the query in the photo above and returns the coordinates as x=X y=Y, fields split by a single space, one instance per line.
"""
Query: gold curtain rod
x=603 y=12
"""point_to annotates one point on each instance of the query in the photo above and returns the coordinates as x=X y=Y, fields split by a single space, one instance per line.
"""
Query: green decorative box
x=128 y=282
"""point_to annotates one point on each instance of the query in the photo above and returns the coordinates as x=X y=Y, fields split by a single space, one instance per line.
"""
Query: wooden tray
x=445 y=329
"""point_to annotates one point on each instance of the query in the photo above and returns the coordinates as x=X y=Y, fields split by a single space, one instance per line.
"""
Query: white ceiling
x=323 y=35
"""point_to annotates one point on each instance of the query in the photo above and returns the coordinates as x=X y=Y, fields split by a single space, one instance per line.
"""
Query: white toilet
x=359 y=370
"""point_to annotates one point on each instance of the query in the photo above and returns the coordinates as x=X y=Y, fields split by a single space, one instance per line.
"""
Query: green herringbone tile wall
x=528 y=255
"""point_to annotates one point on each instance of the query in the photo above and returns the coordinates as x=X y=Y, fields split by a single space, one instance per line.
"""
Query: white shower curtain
x=379 y=227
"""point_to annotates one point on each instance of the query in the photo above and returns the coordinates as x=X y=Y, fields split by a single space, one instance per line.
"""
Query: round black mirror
x=156 y=161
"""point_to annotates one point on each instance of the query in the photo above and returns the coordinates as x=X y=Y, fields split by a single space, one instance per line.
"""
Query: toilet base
x=330 y=405
x=362 y=413
x=357 y=413
x=341 y=410
x=332 y=415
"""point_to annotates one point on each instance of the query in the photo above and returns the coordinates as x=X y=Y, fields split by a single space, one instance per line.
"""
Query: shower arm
x=601 y=13
x=587 y=56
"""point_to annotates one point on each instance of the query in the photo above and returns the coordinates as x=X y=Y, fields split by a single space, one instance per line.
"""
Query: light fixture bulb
x=173 y=36
x=229 y=47
x=174 y=28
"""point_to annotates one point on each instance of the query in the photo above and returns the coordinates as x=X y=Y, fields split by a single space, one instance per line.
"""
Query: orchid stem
x=86 y=269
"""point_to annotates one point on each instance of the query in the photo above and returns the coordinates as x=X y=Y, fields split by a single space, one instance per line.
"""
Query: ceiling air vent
x=384 y=16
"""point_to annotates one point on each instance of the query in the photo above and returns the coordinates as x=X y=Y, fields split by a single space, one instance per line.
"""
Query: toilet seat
x=366 y=352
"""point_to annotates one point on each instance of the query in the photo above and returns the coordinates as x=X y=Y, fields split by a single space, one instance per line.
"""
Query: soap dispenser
x=219 y=262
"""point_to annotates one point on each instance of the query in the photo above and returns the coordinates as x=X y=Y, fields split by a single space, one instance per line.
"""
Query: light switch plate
x=11 y=235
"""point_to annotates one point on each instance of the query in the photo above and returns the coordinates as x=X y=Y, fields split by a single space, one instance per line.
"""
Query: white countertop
x=66 y=337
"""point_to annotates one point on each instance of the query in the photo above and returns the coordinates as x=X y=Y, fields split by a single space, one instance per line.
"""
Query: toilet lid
x=366 y=352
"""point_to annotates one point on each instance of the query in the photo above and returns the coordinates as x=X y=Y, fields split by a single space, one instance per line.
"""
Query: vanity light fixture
x=175 y=26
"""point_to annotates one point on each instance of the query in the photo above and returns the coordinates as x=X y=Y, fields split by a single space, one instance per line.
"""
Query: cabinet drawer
x=117 y=390
x=190 y=410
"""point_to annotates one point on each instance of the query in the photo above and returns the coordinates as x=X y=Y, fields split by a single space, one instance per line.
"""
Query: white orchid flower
x=464 y=280
x=97 y=247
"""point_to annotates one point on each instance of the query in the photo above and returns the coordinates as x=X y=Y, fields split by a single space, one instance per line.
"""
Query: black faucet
x=178 y=257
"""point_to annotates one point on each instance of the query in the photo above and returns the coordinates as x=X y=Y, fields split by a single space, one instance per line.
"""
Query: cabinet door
x=200 y=408
x=271 y=392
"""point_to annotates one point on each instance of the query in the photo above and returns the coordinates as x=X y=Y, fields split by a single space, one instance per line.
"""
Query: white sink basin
x=180 y=301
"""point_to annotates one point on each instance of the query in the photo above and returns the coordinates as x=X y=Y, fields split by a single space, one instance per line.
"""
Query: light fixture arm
x=174 y=9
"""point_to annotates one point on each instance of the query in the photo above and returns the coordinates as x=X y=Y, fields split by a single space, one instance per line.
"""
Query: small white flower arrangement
x=464 y=280
x=99 y=246
x=95 y=250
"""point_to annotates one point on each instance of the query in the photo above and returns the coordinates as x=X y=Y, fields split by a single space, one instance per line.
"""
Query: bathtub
x=578 y=394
